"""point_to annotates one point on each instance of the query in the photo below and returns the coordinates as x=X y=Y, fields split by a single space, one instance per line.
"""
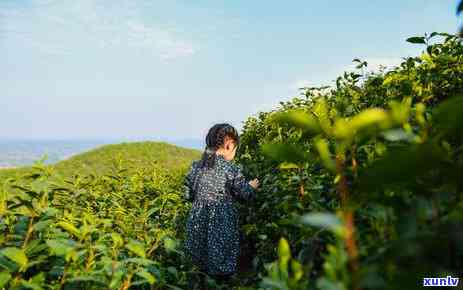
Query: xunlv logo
x=438 y=282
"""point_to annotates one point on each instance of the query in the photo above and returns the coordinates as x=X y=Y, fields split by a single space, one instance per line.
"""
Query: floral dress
x=212 y=227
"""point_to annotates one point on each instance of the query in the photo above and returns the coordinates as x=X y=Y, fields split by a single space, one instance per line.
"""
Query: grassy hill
x=134 y=155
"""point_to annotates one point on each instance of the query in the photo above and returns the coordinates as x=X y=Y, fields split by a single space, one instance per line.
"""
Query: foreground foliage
x=363 y=181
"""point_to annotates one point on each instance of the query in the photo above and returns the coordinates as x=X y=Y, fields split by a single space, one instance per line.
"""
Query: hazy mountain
x=15 y=153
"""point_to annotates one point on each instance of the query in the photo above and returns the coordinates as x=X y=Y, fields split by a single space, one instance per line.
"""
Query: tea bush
x=363 y=180
x=119 y=229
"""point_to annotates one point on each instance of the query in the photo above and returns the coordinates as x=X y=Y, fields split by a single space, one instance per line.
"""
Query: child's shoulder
x=195 y=164
x=233 y=168
x=229 y=166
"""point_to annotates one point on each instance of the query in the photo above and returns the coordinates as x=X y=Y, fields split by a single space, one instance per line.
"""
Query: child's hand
x=254 y=183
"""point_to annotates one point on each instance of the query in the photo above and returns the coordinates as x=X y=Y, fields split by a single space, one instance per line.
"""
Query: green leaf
x=397 y=135
x=39 y=185
x=448 y=116
x=4 y=278
x=325 y=284
x=39 y=278
x=34 y=247
x=368 y=118
x=173 y=287
x=416 y=39
x=59 y=248
x=366 y=121
x=284 y=251
x=42 y=225
x=70 y=228
x=88 y=278
x=321 y=219
x=30 y=285
x=170 y=244
x=285 y=152
x=284 y=254
x=297 y=270
x=136 y=248
x=16 y=255
x=117 y=239
x=400 y=111
x=117 y=279
x=138 y=261
x=172 y=270
x=342 y=129
x=288 y=165
x=400 y=165
x=269 y=283
x=325 y=155
x=299 y=119
x=26 y=190
x=147 y=276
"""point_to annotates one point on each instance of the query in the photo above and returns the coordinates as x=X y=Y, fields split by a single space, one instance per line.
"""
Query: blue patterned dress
x=212 y=227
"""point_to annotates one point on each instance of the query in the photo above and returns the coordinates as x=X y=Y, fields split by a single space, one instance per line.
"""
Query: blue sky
x=144 y=69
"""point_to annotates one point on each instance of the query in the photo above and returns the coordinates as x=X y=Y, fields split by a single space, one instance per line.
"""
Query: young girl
x=213 y=184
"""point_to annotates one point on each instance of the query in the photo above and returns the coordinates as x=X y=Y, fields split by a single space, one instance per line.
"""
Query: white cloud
x=44 y=2
x=49 y=49
x=9 y=12
x=142 y=35
x=74 y=25
x=57 y=19
x=32 y=42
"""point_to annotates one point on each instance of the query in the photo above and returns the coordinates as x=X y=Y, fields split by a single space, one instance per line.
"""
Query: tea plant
x=382 y=151
x=117 y=230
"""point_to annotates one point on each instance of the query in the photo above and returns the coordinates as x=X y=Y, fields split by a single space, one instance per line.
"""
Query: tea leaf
x=58 y=247
x=284 y=251
x=16 y=255
x=320 y=219
x=448 y=116
x=147 y=276
x=325 y=154
x=170 y=244
x=136 y=248
x=416 y=40
x=286 y=152
x=70 y=228
x=4 y=278
x=299 y=119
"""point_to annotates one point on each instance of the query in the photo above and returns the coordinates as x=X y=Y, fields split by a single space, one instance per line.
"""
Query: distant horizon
x=48 y=139
x=24 y=152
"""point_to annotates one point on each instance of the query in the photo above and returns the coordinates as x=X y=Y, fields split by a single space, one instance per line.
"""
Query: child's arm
x=188 y=191
x=240 y=187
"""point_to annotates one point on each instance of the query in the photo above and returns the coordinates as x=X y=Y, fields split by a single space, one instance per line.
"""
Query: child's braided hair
x=215 y=139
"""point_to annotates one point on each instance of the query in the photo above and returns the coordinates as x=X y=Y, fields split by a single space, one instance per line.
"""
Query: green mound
x=134 y=155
